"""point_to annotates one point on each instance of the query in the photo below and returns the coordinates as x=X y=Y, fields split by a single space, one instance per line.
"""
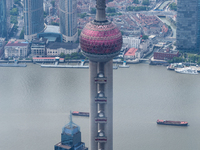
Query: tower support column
x=93 y=106
x=108 y=71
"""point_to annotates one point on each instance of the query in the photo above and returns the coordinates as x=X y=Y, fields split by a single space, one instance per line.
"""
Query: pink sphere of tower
x=100 y=39
x=103 y=39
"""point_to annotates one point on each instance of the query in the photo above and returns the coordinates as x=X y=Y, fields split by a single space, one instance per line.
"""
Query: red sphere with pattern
x=100 y=39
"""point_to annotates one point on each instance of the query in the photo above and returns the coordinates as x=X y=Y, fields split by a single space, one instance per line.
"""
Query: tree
x=141 y=8
x=67 y=57
x=173 y=6
x=53 y=3
x=93 y=11
x=111 y=10
x=21 y=36
x=83 y=15
x=144 y=37
x=13 y=19
x=45 y=14
x=62 y=55
x=18 y=2
x=130 y=8
x=136 y=1
x=14 y=12
x=145 y=2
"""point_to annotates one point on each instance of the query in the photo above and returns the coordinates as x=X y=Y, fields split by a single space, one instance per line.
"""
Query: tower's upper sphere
x=101 y=39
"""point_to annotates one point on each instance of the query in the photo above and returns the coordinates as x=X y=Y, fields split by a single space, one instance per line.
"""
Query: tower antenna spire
x=100 y=10
x=71 y=119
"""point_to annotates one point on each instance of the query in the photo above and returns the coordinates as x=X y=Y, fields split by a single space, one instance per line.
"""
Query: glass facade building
x=70 y=138
x=33 y=18
x=188 y=25
x=3 y=19
x=68 y=20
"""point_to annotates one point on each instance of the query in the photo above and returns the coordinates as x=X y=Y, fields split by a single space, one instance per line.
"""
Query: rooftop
x=131 y=52
x=16 y=43
x=51 y=28
x=56 y=45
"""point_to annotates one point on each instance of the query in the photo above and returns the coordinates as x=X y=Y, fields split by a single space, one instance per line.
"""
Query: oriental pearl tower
x=101 y=41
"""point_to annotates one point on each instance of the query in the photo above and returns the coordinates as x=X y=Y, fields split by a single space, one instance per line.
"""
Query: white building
x=144 y=46
x=131 y=41
x=16 y=49
x=138 y=54
x=38 y=47
x=55 y=49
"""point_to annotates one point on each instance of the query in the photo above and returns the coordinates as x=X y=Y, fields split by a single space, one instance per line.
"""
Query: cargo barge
x=77 y=113
x=174 y=123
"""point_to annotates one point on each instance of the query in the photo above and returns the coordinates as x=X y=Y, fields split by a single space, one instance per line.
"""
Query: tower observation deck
x=101 y=41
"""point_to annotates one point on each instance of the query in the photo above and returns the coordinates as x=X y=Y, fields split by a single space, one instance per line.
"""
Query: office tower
x=101 y=41
x=68 y=20
x=33 y=18
x=3 y=19
x=188 y=25
x=70 y=138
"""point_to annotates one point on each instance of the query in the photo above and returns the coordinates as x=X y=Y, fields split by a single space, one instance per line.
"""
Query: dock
x=56 y=65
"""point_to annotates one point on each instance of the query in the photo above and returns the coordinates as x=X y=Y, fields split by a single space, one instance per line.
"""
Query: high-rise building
x=68 y=20
x=70 y=138
x=33 y=18
x=101 y=41
x=188 y=25
x=3 y=18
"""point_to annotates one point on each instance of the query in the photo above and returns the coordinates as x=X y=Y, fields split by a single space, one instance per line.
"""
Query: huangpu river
x=35 y=104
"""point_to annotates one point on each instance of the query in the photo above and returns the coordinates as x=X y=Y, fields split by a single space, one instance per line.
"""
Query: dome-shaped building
x=101 y=41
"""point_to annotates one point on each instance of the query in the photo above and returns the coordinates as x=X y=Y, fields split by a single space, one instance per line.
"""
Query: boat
x=173 y=66
x=186 y=70
x=77 y=113
x=115 y=66
x=124 y=65
x=174 y=123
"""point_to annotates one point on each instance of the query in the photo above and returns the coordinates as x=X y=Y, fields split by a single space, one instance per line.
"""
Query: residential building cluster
x=66 y=15
x=38 y=48
x=151 y=25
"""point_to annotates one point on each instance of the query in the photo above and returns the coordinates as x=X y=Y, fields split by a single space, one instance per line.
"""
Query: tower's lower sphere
x=100 y=41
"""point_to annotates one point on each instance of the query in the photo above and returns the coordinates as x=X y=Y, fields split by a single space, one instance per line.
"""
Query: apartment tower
x=101 y=41
x=188 y=25
x=3 y=19
x=33 y=18
x=68 y=20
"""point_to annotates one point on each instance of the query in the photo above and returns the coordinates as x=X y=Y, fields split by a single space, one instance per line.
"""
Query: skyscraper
x=188 y=25
x=33 y=18
x=68 y=20
x=101 y=41
x=70 y=138
x=3 y=19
